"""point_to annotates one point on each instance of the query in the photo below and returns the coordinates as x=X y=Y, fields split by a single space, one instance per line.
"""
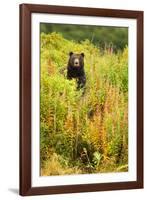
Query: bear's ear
x=70 y=53
x=82 y=54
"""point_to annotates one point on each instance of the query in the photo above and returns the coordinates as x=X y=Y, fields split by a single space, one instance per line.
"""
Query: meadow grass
x=83 y=133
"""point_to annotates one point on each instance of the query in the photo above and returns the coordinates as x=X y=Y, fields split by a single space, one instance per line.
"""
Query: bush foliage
x=83 y=133
x=101 y=36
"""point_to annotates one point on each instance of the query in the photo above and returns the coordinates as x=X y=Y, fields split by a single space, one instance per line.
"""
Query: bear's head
x=76 y=60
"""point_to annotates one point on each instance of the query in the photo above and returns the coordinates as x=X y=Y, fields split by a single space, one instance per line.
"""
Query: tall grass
x=83 y=133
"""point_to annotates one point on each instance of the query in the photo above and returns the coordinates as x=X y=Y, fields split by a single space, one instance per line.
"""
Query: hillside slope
x=83 y=133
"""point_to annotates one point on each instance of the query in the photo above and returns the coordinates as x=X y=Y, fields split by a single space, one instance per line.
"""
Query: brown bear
x=75 y=69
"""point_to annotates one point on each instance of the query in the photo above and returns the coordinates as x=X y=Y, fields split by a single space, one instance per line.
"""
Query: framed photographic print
x=81 y=99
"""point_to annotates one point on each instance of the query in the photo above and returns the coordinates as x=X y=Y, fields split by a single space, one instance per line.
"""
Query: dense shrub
x=83 y=133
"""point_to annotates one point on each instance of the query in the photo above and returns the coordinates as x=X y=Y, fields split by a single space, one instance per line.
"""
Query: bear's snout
x=76 y=62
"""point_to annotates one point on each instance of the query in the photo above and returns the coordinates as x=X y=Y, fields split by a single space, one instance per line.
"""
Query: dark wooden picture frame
x=25 y=99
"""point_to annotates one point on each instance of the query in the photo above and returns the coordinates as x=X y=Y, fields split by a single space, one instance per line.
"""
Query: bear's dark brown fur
x=75 y=69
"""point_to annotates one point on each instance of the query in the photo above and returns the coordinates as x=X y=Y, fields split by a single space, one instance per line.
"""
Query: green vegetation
x=101 y=36
x=83 y=133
